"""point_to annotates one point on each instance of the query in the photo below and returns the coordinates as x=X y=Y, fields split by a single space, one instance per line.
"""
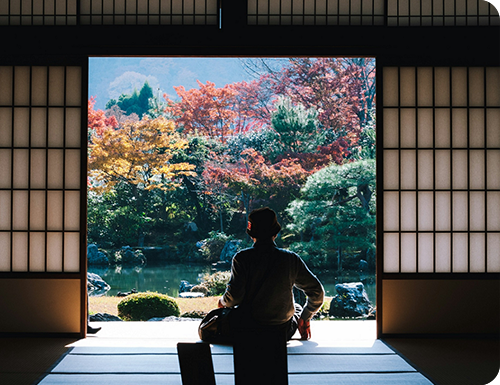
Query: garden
x=172 y=178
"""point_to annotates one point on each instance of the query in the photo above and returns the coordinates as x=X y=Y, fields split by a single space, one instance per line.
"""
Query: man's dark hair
x=263 y=223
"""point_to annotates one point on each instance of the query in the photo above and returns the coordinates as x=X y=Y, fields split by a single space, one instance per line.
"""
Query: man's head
x=262 y=223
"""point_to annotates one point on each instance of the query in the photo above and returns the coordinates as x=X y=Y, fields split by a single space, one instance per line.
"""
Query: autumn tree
x=219 y=112
x=254 y=104
x=138 y=155
x=204 y=111
x=252 y=179
x=342 y=90
x=97 y=120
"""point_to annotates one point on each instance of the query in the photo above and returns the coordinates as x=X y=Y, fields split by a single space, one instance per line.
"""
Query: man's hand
x=219 y=304
x=304 y=329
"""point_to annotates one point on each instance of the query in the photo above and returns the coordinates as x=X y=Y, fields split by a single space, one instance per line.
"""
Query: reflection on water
x=167 y=278
x=161 y=279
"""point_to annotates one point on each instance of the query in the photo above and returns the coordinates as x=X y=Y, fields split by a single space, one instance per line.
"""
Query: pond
x=167 y=278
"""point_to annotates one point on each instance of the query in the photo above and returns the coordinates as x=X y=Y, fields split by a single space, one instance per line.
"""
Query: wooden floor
x=339 y=352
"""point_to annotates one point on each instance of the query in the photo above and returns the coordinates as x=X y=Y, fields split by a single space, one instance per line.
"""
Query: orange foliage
x=97 y=120
x=206 y=111
x=139 y=153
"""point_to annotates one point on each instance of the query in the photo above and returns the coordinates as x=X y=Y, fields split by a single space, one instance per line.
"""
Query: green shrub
x=211 y=247
x=144 y=306
x=216 y=283
x=194 y=314
x=129 y=257
x=200 y=289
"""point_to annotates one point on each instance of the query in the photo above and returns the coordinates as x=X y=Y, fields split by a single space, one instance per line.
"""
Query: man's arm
x=313 y=288
x=235 y=290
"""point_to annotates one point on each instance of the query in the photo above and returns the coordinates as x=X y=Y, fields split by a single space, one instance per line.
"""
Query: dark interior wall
x=40 y=306
x=416 y=305
x=441 y=306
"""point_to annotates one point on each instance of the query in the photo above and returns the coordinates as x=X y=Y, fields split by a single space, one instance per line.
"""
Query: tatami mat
x=223 y=363
x=293 y=347
x=299 y=379
x=330 y=357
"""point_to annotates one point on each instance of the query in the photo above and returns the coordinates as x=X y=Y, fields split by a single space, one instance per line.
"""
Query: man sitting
x=262 y=280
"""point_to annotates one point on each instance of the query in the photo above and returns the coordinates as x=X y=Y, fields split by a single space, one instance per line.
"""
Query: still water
x=167 y=278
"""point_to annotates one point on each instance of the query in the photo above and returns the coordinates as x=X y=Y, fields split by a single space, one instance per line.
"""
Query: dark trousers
x=260 y=356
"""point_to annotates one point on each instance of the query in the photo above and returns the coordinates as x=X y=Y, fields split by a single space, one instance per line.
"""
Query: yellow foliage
x=139 y=153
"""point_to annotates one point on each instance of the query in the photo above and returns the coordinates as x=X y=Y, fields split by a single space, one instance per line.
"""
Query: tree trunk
x=191 y=189
x=364 y=194
x=139 y=198
x=246 y=204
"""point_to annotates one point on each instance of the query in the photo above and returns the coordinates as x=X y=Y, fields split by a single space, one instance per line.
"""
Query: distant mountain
x=110 y=77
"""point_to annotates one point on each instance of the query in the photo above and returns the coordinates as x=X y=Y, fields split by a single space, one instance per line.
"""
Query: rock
x=96 y=285
x=127 y=256
x=229 y=250
x=196 y=314
x=104 y=317
x=201 y=288
x=351 y=301
x=191 y=294
x=125 y=294
x=185 y=287
x=96 y=257
x=191 y=226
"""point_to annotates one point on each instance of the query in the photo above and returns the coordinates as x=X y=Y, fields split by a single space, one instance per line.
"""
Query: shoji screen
x=441 y=13
x=40 y=153
x=42 y=203
x=440 y=203
x=441 y=170
x=108 y=12
x=316 y=12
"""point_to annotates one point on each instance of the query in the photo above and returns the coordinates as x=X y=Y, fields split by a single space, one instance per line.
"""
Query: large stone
x=185 y=287
x=130 y=257
x=351 y=301
x=96 y=257
x=127 y=293
x=229 y=250
x=104 y=317
x=191 y=226
x=96 y=285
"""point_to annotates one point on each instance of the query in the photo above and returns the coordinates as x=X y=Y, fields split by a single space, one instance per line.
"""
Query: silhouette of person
x=262 y=280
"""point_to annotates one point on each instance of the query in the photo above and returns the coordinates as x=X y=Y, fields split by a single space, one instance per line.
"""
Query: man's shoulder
x=251 y=251
x=244 y=252
x=287 y=252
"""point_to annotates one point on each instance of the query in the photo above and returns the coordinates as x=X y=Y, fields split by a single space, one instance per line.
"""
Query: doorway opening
x=182 y=149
